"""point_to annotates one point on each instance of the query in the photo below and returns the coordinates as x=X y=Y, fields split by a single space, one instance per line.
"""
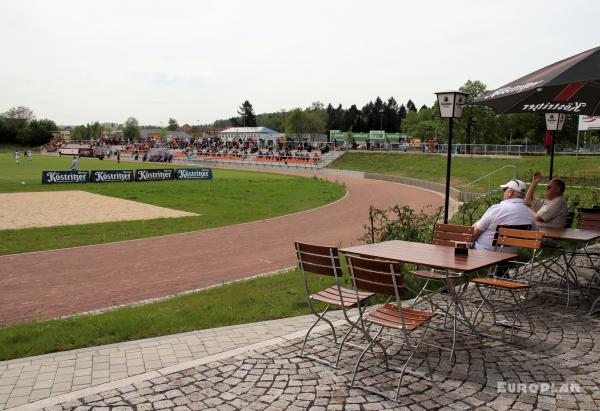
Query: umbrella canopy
x=570 y=86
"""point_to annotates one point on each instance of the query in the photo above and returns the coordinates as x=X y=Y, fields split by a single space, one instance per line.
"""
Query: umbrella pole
x=448 y=162
x=552 y=154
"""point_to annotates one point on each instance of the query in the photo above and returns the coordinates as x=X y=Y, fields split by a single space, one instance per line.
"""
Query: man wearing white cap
x=511 y=211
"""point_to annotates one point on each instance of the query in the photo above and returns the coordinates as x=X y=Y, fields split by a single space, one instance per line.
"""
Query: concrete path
x=97 y=368
x=55 y=283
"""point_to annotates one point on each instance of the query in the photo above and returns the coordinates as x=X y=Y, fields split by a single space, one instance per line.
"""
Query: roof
x=263 y=130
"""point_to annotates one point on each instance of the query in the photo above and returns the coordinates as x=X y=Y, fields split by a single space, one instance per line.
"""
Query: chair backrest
x=570 y=218
x=520 y=238
x=514 y=227
x=318 y=259
x=450 y=234
x=376 y=276
x=589 y=218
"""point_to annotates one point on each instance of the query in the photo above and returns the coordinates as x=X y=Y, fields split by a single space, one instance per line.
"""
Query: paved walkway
x=54 y=283
x=34 y=378
x=256 y=367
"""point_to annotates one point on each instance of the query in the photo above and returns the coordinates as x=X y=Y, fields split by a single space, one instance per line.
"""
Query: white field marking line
x=73 y=395
x=178 y=234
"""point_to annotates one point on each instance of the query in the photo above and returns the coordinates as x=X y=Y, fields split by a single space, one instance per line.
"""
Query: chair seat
x=495 y=282
x=388 y=315
x=332 y=297
x=433 y=275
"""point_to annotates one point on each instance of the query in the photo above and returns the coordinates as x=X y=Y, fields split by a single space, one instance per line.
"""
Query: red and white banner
x=587 y=122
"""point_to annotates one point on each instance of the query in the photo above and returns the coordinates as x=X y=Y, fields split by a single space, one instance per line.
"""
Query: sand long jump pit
x=53 y=208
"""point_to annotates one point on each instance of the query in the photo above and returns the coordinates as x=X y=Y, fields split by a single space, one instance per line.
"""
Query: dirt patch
x=46 y=209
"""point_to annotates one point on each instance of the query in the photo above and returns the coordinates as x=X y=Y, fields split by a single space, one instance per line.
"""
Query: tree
x=19 y=113
x=304 y=122
x=410 y=106
x=401 y=116
x=8 y=131
x=246 y=112
x=79 y=133
x=173 y=126
x=274 y=121
x=131 y=131
x=37 y=132
x=15 y=119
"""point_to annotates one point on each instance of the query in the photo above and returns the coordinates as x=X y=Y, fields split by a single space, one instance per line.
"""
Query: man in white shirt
x=510 y=211
x=552 y=210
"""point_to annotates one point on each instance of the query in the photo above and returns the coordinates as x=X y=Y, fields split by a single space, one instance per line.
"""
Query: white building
x=253 y=133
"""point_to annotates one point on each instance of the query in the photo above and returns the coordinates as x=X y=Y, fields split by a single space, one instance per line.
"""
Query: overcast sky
x=197 y=61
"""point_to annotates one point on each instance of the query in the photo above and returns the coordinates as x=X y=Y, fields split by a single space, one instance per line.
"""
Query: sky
x=196 y=61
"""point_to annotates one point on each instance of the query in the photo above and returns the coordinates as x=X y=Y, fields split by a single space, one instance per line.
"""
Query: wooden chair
x=589 y=269
x=385 y=278
x=447 y=235
x=570 y=219
x=507 y=237
x=322 y=260
x=589 y=218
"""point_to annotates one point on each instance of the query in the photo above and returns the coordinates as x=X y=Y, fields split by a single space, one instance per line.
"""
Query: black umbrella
x=570 y=86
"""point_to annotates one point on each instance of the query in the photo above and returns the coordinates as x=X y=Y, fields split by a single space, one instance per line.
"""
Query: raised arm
x=537 y=177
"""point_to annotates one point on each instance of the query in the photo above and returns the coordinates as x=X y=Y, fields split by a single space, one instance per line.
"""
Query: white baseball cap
x=516 y=185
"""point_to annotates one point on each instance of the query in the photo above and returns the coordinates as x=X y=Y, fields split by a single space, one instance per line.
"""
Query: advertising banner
x=156 y=174
x=55 y=177
x=589 y=122
x=111 y=176
x=193 y=174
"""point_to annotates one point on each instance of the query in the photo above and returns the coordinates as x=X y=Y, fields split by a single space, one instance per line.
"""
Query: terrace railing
x=488 y=176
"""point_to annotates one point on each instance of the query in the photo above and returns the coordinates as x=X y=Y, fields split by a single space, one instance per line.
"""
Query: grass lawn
x=231 y=197
x=247 y=301
x=432 y=167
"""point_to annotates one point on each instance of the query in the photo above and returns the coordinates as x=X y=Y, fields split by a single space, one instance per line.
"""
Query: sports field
x=231 y=197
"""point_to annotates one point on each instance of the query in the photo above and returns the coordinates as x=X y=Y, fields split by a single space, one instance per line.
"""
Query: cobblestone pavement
x=34 y=378
x=557 y=368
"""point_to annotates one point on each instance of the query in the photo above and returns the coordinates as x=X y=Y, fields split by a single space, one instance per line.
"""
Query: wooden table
x=435 y=256
x=569 y=234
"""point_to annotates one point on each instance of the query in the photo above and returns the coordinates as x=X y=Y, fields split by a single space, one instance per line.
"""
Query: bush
x=400 y=223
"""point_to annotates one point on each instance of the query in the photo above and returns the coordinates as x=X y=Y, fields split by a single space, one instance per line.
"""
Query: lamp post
x=451 y=105
x=381 y=119
x=554 y=123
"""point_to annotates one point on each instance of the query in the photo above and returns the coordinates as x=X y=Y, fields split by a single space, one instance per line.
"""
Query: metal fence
x=485 y=149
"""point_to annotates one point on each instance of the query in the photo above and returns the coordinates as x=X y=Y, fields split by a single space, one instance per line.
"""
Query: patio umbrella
x=570 y=86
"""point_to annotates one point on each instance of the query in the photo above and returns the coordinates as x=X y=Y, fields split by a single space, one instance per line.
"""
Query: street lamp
x=554 y=123
x=381 y=119
x=451 y=105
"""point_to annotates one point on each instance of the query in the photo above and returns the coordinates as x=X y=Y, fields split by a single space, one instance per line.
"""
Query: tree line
x=478 y=125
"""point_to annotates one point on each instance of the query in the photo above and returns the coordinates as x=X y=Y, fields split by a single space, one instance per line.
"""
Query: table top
x=435 y=256
x=574 y=234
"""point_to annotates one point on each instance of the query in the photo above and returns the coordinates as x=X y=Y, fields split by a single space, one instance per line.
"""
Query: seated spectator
x=512 y=210
x=552 y=210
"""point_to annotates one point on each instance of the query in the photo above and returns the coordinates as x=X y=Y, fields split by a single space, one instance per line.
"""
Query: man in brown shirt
x=553 y=209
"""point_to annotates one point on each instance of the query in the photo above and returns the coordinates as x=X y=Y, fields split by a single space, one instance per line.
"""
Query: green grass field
x=432 y=167
x=231 y=197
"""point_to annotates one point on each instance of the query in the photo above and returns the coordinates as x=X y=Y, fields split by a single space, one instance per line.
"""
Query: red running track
x=55 y=283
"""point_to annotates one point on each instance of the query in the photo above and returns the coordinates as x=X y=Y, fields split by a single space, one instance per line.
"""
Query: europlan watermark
x=539 y=388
